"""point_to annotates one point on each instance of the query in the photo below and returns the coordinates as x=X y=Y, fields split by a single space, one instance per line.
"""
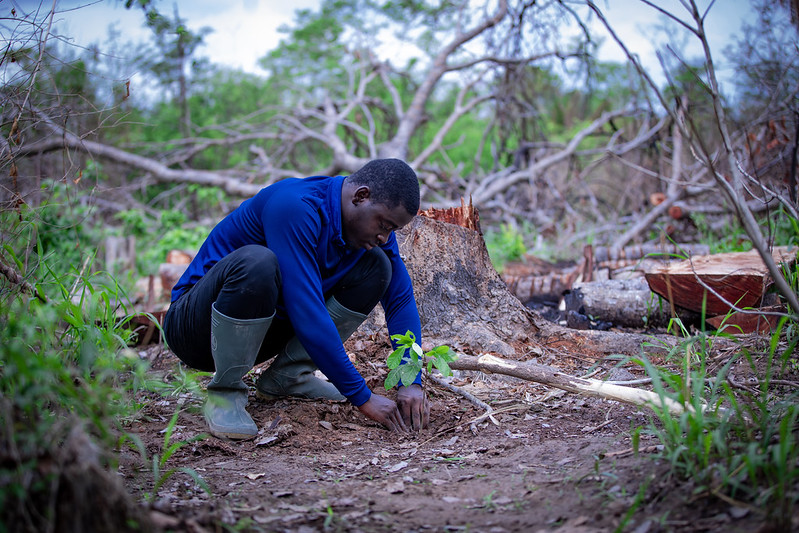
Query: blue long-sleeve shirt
x=300 y=220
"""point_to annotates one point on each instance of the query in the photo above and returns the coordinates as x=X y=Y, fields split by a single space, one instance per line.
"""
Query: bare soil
x=548 y=461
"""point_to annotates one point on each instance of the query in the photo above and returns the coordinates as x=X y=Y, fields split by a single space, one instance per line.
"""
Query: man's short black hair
x=391 y=182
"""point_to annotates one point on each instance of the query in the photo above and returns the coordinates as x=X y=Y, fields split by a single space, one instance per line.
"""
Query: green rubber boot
x=234 y=346
x=291 y=372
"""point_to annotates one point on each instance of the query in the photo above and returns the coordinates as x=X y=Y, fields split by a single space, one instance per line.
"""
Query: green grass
x=735 y=444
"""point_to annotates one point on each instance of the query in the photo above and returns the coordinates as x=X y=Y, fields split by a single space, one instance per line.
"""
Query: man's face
x=366 y=224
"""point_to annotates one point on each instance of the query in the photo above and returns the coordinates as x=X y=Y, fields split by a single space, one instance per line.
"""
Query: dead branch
x=11 y=274
x=546 y=375
x=477 y=402
x=495 y=185
x=415 y=113
x=733 y=189
x=231 y=184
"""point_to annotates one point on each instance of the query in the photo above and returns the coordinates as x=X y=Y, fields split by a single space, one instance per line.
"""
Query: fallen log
x=623 y=302
x=535 y=280
x=546 y=375
x=606 y=253
x=725 y=281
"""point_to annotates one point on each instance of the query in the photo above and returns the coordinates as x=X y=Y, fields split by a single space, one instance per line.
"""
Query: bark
x=717 y=283
x=458 y=292
x=554 y=378
x=464 y=303
x=628 y=303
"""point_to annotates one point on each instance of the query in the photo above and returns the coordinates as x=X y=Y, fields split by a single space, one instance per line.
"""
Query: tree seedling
x=405 y=373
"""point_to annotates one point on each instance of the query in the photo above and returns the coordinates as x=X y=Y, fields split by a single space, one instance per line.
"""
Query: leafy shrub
x=64 y=388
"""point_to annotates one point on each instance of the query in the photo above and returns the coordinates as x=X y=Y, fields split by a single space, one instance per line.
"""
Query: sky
x=245 y=30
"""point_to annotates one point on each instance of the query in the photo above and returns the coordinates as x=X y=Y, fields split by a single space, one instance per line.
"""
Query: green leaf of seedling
x=416 y=352
x=450 y=355
x=392 y=379
x=409 y=372
x=406 y=340
x=395 y=358
x=442 y=366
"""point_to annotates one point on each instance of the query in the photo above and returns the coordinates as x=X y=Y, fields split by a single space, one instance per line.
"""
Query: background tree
x=491 y=103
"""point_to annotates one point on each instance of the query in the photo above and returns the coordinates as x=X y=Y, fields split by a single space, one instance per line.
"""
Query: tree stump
x=458 y=292
x=464 y=303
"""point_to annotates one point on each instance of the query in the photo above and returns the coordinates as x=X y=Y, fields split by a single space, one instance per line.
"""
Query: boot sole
x=232 y=435
x=268 y=397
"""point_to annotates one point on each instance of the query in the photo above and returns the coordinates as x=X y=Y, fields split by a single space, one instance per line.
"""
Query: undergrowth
x=733 y=442
x=67 y=390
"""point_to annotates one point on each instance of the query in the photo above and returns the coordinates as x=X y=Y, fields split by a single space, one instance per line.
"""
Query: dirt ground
x=548 y=461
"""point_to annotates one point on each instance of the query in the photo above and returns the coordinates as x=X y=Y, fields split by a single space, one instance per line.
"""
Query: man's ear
x=362 y=193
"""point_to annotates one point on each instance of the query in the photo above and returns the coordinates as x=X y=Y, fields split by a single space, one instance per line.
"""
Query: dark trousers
x=246 y=284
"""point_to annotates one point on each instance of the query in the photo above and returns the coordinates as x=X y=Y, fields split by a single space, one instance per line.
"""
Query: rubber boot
x=292 y=371
x=234 y=346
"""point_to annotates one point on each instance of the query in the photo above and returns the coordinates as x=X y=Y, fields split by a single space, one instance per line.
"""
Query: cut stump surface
x=740 y=278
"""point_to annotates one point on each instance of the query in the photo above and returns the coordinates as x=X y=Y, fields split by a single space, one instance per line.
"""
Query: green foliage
x=158 y=461
x=175 y=45
x=733 y=239
x=60 y=229
x=403 y=370
x=783 y=229
x=312 y=55
x=173 y=235
x=63 y=367
x=780 y=228
x=734 y=444
x=765 y=61
x=504 y=245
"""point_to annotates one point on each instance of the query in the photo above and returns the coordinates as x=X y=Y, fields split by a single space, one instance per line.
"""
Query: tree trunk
x=627 y=303
x=464 y=303
x=717 y=282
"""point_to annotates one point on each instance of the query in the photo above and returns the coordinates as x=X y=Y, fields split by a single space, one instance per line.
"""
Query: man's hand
x=383 y=410
x=413 y=405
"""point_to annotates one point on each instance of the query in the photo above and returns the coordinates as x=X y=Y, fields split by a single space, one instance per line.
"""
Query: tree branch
x=489 y=188
x=545 y=375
